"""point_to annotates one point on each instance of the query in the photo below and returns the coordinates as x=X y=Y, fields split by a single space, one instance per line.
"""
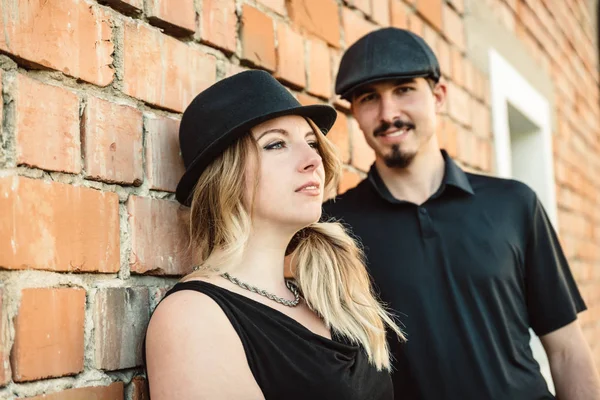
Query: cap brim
x=347 y=94
x=322 y=115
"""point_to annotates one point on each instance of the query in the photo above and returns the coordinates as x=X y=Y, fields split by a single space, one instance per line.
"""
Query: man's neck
x=417 y=182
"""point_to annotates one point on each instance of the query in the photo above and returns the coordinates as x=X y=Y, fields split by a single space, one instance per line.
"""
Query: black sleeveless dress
x=288 y=361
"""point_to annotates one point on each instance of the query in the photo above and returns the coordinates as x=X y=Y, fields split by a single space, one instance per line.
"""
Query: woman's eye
x=275 y=146
x=314 y=145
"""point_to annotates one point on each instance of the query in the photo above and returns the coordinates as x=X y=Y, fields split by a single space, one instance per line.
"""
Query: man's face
x=398 y=117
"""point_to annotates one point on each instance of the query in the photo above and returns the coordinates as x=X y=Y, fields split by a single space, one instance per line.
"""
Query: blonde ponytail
x=329 y=269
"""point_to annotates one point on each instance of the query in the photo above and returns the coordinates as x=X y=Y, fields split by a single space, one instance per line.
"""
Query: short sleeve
x=553 y=299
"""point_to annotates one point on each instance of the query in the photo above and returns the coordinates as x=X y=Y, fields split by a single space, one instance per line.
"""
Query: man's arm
x=573 y=371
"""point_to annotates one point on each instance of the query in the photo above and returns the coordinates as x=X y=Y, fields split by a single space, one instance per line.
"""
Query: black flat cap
x=227 y=110
x=388 y=53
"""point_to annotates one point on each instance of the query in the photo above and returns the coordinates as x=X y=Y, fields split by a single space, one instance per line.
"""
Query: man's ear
x=440 y=91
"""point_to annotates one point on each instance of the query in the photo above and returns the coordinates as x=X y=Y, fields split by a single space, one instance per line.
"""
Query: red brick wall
x=92 y=94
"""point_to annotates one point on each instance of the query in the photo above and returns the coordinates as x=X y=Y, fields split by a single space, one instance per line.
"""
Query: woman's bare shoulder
x=192 y=349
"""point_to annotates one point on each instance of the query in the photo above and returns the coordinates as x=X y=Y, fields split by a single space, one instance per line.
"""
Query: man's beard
x=396 y=159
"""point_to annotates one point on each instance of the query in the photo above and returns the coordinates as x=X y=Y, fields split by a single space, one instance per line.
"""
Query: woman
x=257 y=166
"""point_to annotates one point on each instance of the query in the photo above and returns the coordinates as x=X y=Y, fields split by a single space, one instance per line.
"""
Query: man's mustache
x=398 y=124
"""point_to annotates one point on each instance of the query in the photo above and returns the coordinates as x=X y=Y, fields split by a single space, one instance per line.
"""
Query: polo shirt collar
x=453 y=176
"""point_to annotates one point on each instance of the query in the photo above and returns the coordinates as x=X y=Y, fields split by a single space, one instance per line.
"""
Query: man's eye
x=275 y=146
x=367 y=98
x=404 y=89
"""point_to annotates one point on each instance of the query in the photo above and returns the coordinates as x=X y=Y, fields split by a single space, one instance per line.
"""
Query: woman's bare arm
x=193 y=352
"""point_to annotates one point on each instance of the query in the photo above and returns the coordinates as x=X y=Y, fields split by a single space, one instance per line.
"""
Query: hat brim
x=323 y=116
x=347 y=94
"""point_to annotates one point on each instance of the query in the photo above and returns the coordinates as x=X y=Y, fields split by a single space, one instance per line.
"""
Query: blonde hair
x=326 y=263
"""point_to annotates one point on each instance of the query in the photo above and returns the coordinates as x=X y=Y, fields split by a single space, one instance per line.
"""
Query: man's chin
x=398 y=160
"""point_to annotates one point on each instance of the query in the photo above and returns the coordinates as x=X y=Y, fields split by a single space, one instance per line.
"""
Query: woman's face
x=290 y=172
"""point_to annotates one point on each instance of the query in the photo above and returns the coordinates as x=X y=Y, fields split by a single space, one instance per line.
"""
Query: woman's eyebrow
x=274 y=130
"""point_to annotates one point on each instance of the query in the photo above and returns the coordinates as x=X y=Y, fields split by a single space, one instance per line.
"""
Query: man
x=469 y=263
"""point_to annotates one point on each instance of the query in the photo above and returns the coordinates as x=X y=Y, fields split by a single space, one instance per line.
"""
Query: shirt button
x=423 y=211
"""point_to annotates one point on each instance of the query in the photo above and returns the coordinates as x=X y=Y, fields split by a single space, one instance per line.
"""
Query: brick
x=444 y=58
x=459 y=5
x=431 y=10
x=48 y=334
x=145 y=53
x=80 y=44
x=415 y=24
x=355 y=26
x=161 y=250
x=219 y=24
x=381 y=12
x=50 y=235
x=481 y=118
x=362 y=155
x=459 y=105
x=453 y=26
x=126 y=6
x=110 y=392
x=47 y=126
x=431 y=36
x=276 y=5
x=340 y=137
x=319 y=17
x=398 y=14
x=349 y=180
x=178 y=14
x=319 y=69
x=232 y=69
x=3 y=352
x=258 y=38
x=164 y=165
x=362 y=5
x=290 y=57
x=140 y=389
x=121 y=316
x=458 y=70
x=112 y=142
x=451 y=138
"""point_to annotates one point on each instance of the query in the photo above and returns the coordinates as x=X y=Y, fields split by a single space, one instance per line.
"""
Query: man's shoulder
x=348 y=200
x=501 y=188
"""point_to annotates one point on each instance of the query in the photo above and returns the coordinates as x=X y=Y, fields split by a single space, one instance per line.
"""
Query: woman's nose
x=310 y=159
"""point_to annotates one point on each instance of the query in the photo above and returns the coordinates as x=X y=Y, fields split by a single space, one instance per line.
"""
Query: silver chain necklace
x=254 y=289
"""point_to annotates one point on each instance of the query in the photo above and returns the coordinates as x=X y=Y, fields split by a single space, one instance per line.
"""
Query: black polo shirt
x=467 y=273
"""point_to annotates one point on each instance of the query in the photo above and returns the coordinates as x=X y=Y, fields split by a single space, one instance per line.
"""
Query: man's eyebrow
x=274 y=130
x=370 y=88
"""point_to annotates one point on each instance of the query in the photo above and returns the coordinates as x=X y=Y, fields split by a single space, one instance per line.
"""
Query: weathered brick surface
x=162 y=249
x=48 y=333
x=176 y=13
x=47 y=126
x=290 y=57
x=362 y=156
x=320 y=80
x=218 y=26
x=121 y=316
x=72 y=229
x=349 y=180
x=339 y=135
x=112 y=139
x=258 y=38
x=355 y=26
x=140 y=389
x=3 y=351
x=319 y=17
x=80 y=44
x=431 y=10
x=113 y=391
x=147 y=51
x=164 y=165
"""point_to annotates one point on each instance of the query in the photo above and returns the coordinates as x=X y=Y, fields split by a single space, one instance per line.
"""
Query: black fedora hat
x=225 y=111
